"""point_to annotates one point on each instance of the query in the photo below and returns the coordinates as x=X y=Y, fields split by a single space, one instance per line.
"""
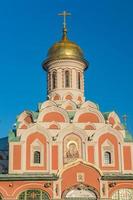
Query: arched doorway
x=33 y=194
x=123 y=194
x=80 y=192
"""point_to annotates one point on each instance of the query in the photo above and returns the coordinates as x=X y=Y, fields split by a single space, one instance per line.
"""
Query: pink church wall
x=91 y=154
x=69 y=177
x=54 y=157
x=16 y=157
x=127 y=158
x=12 y=189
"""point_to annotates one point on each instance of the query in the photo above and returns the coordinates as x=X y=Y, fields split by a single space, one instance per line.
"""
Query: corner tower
x=65 y=65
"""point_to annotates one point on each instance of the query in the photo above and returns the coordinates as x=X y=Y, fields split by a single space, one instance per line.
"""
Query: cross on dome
x=64 y=14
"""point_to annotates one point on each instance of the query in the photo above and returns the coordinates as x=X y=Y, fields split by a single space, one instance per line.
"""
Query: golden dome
x=64 y=49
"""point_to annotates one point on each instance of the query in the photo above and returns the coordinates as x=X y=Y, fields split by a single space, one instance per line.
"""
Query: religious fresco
x=72 y=148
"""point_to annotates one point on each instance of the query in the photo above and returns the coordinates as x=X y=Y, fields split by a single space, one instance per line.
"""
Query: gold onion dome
x=65 y=49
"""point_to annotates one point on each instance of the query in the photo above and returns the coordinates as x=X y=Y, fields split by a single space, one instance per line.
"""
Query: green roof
x=128 y=137
x=106 y=114
x=12 y=137
x=71 y=114
x=34 y=115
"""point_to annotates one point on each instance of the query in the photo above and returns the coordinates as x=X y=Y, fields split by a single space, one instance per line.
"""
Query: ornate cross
x=64 y=14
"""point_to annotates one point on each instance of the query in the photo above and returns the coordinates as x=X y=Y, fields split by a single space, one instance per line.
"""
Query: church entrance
x=79 y=193
x=33 y=195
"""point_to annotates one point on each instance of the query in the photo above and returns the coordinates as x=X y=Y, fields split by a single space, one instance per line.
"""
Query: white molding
x=108 y=129
x=35 y=128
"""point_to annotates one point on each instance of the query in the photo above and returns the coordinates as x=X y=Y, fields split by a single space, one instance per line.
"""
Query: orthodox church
x=68 y=148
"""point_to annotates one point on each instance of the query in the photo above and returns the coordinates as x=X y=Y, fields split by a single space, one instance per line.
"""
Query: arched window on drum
x=79 y=80
x=67 y=78
x=49 y=81
x=54 y=80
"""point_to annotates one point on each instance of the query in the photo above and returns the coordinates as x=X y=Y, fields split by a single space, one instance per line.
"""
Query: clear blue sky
x=104 y=30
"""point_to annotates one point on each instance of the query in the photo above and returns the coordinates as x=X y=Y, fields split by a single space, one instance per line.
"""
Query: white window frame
x=37 y=146
x=107 y=146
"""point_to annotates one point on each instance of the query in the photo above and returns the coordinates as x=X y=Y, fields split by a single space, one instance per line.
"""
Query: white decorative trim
x=36 y=128
x=71 y=128
x=75 y=163
x=46 y=104
x=108 y=129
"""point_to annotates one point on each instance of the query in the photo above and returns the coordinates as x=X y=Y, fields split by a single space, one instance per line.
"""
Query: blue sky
x=103 y=29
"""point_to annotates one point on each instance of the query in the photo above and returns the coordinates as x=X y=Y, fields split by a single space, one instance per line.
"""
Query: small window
x=54 y=79
x=49 y=80
x=107 y=157
x=67 y=79
x=79 y=82
x=37 y=157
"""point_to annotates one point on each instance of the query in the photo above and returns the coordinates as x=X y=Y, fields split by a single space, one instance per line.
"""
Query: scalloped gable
x=53 y=113
x=89 y=115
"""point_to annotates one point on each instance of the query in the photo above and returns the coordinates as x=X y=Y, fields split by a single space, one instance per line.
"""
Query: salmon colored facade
x=68 y=148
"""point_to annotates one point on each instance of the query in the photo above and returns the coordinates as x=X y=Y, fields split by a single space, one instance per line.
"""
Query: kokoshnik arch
x=68 y=148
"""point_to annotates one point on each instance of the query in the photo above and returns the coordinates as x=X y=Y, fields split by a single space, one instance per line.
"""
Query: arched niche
x=90 y=127
x=72 y=148
x=56 y=97
x=69 y=105
x=47 y=104
x=68 y=97
x=80 y=99
x=54 y=125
